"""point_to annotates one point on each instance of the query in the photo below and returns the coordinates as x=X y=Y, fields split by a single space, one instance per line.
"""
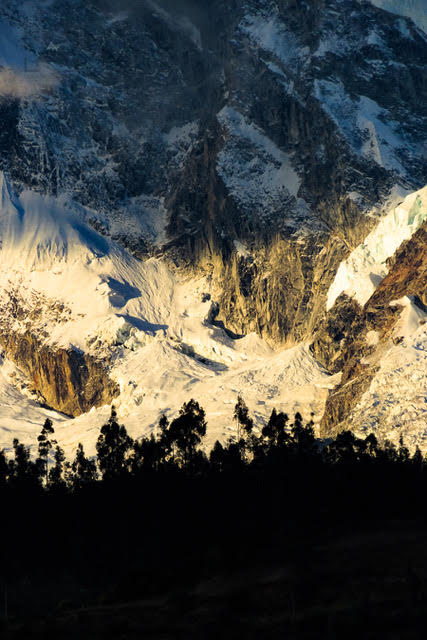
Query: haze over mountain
x=204 y=199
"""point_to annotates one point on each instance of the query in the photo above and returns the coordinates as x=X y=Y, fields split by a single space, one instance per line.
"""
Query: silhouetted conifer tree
x=344 y=449
x=241 y=415
x=163 y=425
x=234 y=457
x=46 y=443
x=216 y=457
x=371 y=445
x=165 y=444
x=148 y=454
x=23 y=472
x=185 y=432
x=4 y=469
x=387 y=453
x=56 y=473
x=82 y=471
x=403 y=452
x=418 y=459
x=275 y=430
x=303 y=438
x=113 y=447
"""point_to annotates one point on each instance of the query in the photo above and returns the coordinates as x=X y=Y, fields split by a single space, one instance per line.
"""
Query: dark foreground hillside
x=329 y=583
x=273 y=536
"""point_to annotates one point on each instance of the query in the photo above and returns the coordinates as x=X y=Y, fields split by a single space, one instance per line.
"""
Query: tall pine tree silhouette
x=113 y=447
x=82 y=469
x=185 y=433
x=56 y=473
x=23 y=472
x=244 y=421
x=45 y=445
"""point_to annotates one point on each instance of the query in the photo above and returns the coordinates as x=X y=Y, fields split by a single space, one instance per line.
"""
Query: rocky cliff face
x=67 y=380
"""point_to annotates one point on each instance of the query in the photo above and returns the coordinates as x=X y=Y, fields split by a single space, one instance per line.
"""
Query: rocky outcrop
x=336 y=329
x=361 y=355
x=277 y=285
x=65 y=379
x=278 y=290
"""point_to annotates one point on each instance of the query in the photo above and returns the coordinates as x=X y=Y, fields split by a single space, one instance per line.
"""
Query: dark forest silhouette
x=177 y=448
x=298 y=534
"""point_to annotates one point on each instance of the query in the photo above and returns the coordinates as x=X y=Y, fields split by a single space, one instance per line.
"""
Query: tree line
x=148 y=520
x=176 y=447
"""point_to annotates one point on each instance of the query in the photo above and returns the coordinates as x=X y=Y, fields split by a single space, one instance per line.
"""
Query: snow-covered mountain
x=177 y=173
x=70 y=288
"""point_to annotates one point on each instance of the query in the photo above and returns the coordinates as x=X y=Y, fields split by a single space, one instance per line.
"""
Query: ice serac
x=363 y=270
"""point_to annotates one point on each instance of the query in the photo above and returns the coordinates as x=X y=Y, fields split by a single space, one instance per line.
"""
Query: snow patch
x=267 y=31
x=369 y=129
x=122 y=16
x=411 y=318
x=144 y=216
x=180 y=140
x=372 y=338
x=241 y=249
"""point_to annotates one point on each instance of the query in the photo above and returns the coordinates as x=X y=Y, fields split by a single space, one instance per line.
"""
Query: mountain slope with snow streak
x=383 y=387
x=366 y=266
x=395 y=404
